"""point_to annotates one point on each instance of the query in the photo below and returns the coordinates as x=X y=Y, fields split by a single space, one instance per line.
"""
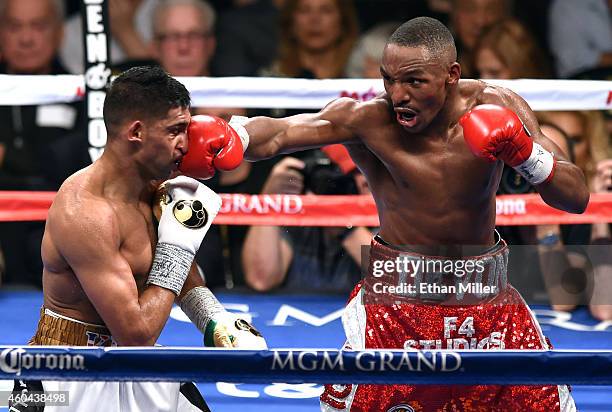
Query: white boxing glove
x=229 y=330
x=220 y=328
x=187 y=213
x=188 y=208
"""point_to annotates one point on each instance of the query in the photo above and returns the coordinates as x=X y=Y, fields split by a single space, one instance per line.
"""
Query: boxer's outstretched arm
x=90 y=243
x=567 y=190
x=335 y=123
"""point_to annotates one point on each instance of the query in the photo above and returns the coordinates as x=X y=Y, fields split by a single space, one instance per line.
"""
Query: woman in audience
x=509 y=51
x=468 y=20
x=316 y=40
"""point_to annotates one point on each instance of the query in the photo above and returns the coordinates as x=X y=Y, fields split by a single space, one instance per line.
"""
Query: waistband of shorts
x=379 y=245
x=417 y=278
x=56 y=329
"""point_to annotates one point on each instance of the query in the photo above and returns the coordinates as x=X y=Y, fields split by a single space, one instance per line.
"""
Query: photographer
x=308 y=258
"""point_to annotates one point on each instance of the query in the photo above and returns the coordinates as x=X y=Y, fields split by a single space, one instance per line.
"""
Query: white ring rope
x=266 y=92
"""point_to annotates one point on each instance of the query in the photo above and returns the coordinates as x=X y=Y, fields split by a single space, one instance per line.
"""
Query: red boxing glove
x=494 y=132
x=213 y=145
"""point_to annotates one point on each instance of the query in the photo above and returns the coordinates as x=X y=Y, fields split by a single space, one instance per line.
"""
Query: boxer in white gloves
x=111 y=275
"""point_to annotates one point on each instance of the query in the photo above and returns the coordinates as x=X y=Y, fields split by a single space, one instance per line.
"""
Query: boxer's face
x=166 y=141
x=416 y=85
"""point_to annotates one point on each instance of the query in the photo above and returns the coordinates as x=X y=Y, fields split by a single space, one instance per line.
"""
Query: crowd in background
x=41 y=145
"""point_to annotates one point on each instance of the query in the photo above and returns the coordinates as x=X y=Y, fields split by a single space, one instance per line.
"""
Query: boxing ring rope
x=266 y=92
x=584 y=367
x=312 y=210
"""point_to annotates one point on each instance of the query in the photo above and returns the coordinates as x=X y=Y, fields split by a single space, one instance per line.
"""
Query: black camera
x=324 y=177
x=512 y=183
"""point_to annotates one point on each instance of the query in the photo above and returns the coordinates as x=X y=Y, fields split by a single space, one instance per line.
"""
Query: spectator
x=365 y=59
x=184 y=40
x=248 y=38
x=317 y=37
x=307 y=259
x=30 y=34
x=509 y=51
x=580 y=35
x=588 y=137
x=131 y=33
x=469 y=19
x=587 y=140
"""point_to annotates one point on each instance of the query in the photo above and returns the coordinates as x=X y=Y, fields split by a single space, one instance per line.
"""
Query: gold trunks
x=56 y=329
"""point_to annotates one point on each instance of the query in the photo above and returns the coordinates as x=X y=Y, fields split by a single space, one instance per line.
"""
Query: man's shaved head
x=429 y=34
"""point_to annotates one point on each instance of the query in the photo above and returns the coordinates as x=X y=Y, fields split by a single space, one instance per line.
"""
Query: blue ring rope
x=588 y=367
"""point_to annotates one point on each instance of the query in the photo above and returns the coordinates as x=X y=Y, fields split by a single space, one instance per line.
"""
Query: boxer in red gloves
x=432 y=148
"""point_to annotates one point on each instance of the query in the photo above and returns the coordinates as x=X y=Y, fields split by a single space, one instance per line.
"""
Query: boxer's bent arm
x=567 y=190
x=193 y=281
x=333 y=124
x=90 y=244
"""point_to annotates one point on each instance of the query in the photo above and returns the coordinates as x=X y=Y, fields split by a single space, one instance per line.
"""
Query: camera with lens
x=324 y=177
x=512 y=183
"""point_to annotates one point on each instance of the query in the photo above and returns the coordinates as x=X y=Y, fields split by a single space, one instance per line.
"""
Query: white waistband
x=57 y=315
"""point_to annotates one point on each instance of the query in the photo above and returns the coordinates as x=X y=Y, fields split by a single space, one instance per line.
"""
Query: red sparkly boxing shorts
x=439 y=304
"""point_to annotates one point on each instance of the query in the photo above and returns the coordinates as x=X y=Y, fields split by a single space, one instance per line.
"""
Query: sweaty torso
x=62 y=290
x=429 y=189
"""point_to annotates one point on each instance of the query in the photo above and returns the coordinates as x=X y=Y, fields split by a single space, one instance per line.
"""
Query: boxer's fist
x=494 y=132
x=187 y=210
x=229 y=330
x=213 y=145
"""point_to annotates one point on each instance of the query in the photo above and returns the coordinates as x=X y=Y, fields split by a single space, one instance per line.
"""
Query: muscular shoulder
x=81 y=216
x=357 y=115
x=478 y=92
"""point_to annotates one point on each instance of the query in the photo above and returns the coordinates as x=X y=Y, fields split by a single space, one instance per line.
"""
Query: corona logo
x=14 y=360
x=10 y=360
